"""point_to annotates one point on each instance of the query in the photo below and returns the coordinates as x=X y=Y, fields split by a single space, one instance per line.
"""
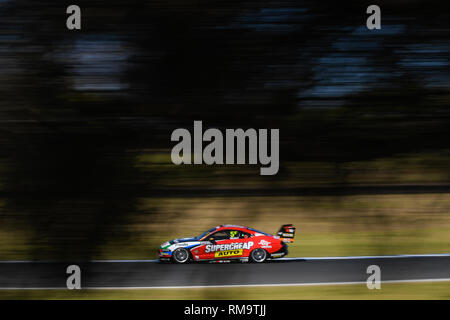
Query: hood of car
x=175 y=241
x=183 y=240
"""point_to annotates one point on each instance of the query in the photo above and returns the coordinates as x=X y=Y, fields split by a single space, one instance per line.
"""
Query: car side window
x=244 y=235
x=219 y=235
x=229 y=234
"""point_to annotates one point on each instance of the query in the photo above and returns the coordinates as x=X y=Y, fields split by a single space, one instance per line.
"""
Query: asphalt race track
x=149 y=274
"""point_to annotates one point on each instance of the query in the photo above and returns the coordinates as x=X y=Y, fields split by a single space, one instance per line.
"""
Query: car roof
x=231 y=226
x=242 y=228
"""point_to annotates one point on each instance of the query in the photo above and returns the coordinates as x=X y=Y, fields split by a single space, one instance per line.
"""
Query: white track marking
x=123 y=261
x=278 y=259
x=240 y=285
x=369 y=257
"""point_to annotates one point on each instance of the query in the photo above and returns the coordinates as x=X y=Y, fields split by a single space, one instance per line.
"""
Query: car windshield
x=206 y=232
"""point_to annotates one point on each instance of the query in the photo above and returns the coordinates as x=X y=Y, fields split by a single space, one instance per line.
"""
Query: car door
x=223 y=244
x=211 y=246
x=248 y=243
x=230 y=248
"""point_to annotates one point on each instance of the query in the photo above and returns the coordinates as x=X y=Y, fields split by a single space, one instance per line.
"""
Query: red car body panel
x=236 y=248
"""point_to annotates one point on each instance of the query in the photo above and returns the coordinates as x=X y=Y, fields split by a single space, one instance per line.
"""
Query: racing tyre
x=258 y=255
x=180 y=255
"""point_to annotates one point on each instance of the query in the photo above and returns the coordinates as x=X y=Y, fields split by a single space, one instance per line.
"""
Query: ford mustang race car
x=227 y=243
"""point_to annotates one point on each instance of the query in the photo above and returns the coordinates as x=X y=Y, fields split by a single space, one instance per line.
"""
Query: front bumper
x=164 y=254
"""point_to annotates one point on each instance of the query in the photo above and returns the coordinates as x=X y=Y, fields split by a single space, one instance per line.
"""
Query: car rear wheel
x=258 y=255
x=180 y=255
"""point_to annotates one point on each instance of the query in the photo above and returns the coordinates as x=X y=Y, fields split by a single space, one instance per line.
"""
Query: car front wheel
x=180 y=255
x=258 y=255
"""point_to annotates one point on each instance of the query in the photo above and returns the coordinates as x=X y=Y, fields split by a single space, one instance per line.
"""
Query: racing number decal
x=233 y=233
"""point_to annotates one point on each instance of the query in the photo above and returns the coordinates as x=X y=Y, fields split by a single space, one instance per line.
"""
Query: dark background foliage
x=78 y=107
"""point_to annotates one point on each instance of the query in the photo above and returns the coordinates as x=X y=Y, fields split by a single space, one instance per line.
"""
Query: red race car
x=227 y=243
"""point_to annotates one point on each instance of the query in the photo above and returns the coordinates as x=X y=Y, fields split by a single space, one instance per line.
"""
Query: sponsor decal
x=265 y=244
x=228 y=246
x=184 y=244
x=229 y=253
x=165 y=245
x=287 y=235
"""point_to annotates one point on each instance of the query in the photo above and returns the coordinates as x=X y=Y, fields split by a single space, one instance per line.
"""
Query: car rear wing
x=286 y=233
